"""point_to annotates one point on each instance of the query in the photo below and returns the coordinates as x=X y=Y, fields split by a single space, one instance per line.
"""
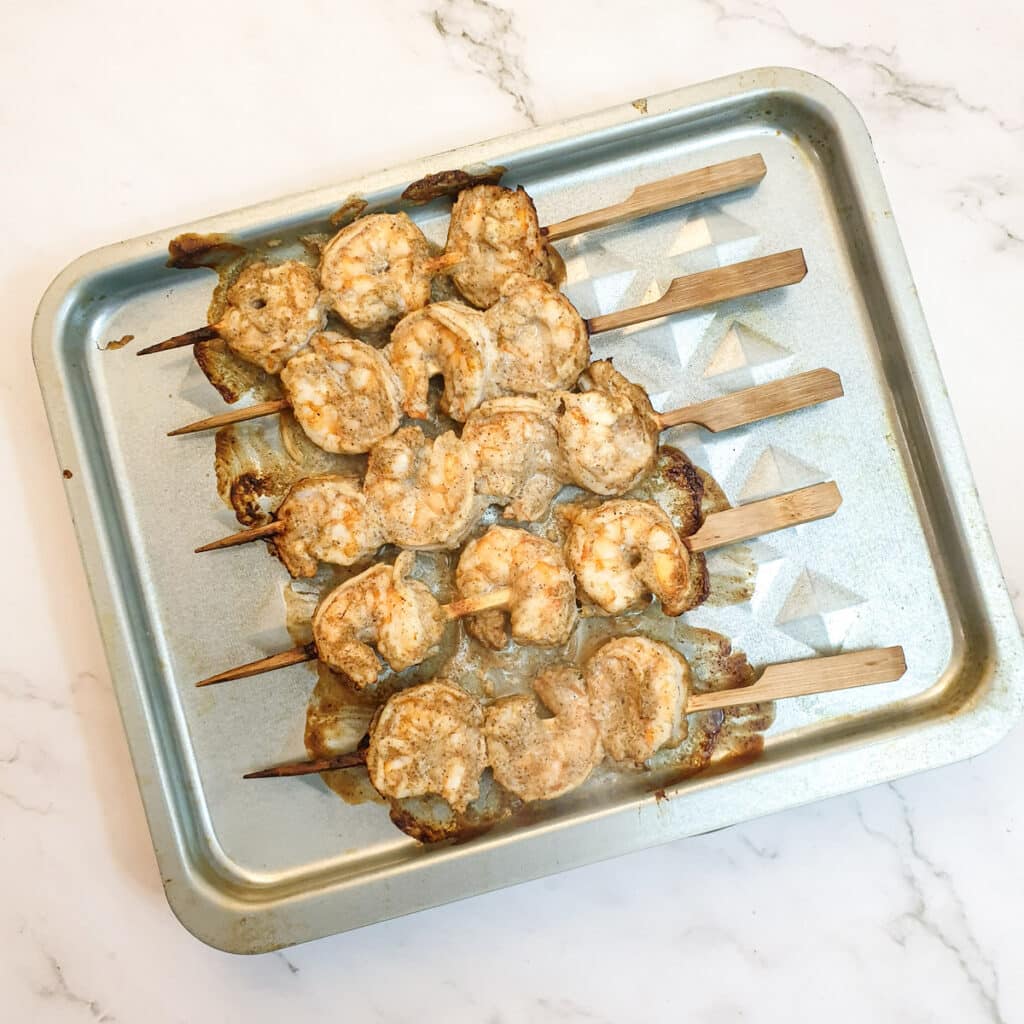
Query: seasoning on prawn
x=519 y=462
x=543 y=758
x=343 y=393
x=428 y=741
x=542 y=604
x=423 y=488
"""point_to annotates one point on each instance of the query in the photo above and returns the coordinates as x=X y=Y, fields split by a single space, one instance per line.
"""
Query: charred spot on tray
x=450 y=183
x=120 y=343
x=246 y=491
x=699 y=582
x=188 y=251
x=350 y=209
x=678 y=486
x=419 y=825
x=67 y=474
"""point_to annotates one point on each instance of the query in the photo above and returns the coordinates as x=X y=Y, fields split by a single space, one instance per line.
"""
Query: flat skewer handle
x=811 y=675
x=708 y=286
x=223 y=419
x=805 y=505
x=703 y=183
x=758 y=403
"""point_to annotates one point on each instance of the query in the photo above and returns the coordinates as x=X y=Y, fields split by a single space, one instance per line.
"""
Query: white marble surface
x=898 y=904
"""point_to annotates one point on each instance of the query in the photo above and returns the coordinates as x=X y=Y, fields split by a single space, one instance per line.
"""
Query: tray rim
x=234 y=924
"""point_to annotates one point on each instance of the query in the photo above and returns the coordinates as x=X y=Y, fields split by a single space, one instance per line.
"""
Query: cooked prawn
x=326 y=519
x=542 y=758
x=445 y=339
x=428 y=740
x=542 y=341
x=608 y=431
x=376 y=270
x=638 y=690
x=496 y=232
x=622 y=551
x=423 y=488
x=343 y=393
x=273 y=311
x=542 y=608
x=519 y=462
x=383 y=607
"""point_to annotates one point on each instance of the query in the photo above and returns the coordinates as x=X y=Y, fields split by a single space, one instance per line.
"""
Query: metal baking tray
x=907 y=560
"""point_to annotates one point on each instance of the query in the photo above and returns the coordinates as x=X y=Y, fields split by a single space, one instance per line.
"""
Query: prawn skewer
x=619 y=552
x=777 y=682
x=581 y=440
x=384 y=608
x=297 y=655
x=532 y=340
x=625 y=551
x=605 y=436
x=380 y=266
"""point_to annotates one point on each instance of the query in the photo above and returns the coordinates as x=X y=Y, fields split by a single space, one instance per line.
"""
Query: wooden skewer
x=704 y=183
x=271 y=529
x=223 y=419
x=466 y=606
x=684 y=293
x=806 y=505
x=654 y=197
x=717 y=285
x=207 y=333
x=777 y=682
x=352 y=759
x=283 y=659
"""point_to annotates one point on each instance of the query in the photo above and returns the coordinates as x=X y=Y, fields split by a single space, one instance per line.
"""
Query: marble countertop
x=895 y=904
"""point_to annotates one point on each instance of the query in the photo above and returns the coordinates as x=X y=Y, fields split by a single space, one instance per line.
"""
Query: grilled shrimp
x=542 y=341
x=624 y=550
x=382 y=607
x=542 y=609
x=326 y=519
x=273 y=311
x=608 y=432
x=423 y=488
x=450 y=340
x=376 y=270
x=496 y=232
x=542 y=758
x=518 y=459
x=638 y=690
x=344 y=394
x=428 y=740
